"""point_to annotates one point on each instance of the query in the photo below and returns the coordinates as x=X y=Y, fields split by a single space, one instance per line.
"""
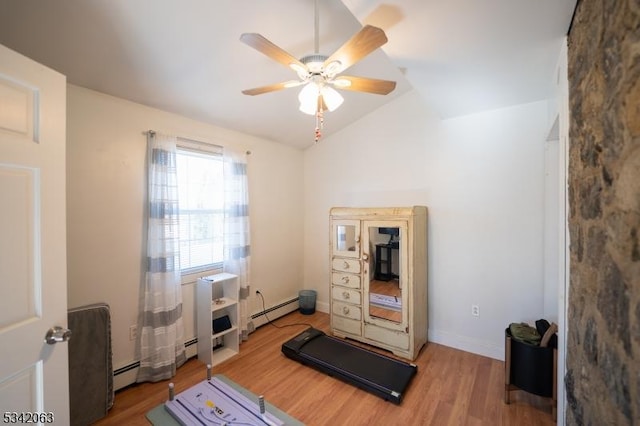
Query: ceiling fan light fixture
x=309 y=94
x=308 y=98
x=332 y=98
x=308 y=108
x=300 y=70
x=332 y=68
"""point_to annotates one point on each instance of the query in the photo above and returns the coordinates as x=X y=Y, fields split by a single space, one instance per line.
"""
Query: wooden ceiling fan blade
x=365 y=41
x=272 y=87
x=269 y=49
x=362 y=84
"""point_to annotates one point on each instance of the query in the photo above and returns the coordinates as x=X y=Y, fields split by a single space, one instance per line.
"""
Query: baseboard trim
x=322 y=307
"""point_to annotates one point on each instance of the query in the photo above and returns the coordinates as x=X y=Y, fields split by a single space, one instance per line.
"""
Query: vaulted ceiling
x=185 y=56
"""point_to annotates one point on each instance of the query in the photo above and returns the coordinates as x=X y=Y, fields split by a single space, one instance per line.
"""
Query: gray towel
x=91 y=391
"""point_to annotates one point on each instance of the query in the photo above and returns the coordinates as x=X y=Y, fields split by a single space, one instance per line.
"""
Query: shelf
x=222 y=354
x=222 y=333
x=228 y=302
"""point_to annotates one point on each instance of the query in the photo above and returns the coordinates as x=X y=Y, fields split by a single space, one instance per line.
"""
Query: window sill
x=191 y=278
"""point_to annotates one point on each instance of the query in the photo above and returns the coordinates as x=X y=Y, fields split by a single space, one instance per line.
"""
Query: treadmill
x=378 y=374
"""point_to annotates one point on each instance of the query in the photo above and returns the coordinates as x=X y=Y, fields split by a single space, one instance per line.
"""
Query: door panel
x=18 y=260
x=33 y=374
x=19 y=112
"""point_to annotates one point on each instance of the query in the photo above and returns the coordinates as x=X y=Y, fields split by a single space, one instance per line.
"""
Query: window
x=200 y=188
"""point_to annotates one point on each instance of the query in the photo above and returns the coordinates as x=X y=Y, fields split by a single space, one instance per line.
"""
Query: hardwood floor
x=452 y=387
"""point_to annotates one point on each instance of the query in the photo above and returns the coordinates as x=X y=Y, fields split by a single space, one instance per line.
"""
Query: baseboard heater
x=126 y=375
x=136 y=364
x=281 y=309
x=378 y=374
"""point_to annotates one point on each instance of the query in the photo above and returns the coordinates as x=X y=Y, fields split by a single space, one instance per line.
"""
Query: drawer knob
x=345 y=265
x=345 y=310
x=345 y=294
x=345 y=279
x=365 y=256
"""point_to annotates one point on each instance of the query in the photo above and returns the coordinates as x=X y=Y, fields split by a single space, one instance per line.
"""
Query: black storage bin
x=530 y=368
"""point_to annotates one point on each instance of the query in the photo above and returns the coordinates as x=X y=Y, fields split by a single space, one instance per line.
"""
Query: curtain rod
x=153 y=132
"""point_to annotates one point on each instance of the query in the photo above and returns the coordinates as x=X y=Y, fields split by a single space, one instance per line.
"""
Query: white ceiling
x=185 y=56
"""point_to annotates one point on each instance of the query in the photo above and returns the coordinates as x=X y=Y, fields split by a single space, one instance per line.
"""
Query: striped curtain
x=160 y=327
x=237 y=253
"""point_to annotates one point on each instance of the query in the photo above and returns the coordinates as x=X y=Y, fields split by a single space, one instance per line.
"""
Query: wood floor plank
x=451 y=387
x=479 y=391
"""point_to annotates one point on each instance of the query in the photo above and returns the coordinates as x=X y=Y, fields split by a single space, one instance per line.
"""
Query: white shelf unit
x=223 y=289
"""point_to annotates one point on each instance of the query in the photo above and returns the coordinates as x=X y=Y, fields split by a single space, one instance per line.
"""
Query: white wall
x=105 y=198
x=482 y=177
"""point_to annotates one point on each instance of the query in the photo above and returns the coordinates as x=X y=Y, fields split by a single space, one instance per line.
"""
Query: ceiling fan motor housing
x=314 y=62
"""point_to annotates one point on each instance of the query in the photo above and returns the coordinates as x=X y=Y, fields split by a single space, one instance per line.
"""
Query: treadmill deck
x=381 y=375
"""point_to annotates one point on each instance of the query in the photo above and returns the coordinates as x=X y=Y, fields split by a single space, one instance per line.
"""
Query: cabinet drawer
x=390 y=337
x=347 y=325
x=345 y=280
x=343 y=294
x=346 y=265
x=347 y=310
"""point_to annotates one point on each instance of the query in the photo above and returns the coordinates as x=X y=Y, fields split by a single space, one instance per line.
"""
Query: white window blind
x=200 y=186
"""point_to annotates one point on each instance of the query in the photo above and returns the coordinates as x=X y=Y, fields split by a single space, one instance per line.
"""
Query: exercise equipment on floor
x=378 y=374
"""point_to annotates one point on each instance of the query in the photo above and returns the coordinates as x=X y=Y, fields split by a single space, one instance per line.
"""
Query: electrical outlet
x=133 y=332
x=259 y=291
x=475 y=310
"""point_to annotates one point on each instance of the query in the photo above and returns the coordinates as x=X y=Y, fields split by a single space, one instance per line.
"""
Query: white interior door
x=33 y=374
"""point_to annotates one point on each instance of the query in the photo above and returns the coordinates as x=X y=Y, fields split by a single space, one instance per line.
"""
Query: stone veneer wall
x=603 y=341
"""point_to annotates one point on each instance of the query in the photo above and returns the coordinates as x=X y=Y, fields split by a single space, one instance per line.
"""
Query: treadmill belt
x=376 y=373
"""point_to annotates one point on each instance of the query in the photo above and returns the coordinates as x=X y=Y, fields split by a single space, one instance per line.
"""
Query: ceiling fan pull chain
x=319 y=124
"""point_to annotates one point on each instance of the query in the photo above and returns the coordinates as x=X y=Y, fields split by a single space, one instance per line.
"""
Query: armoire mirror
x=345 y=238
x=385 y=291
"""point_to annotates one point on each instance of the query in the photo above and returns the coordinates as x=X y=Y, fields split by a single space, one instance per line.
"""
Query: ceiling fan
x=320 y=74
